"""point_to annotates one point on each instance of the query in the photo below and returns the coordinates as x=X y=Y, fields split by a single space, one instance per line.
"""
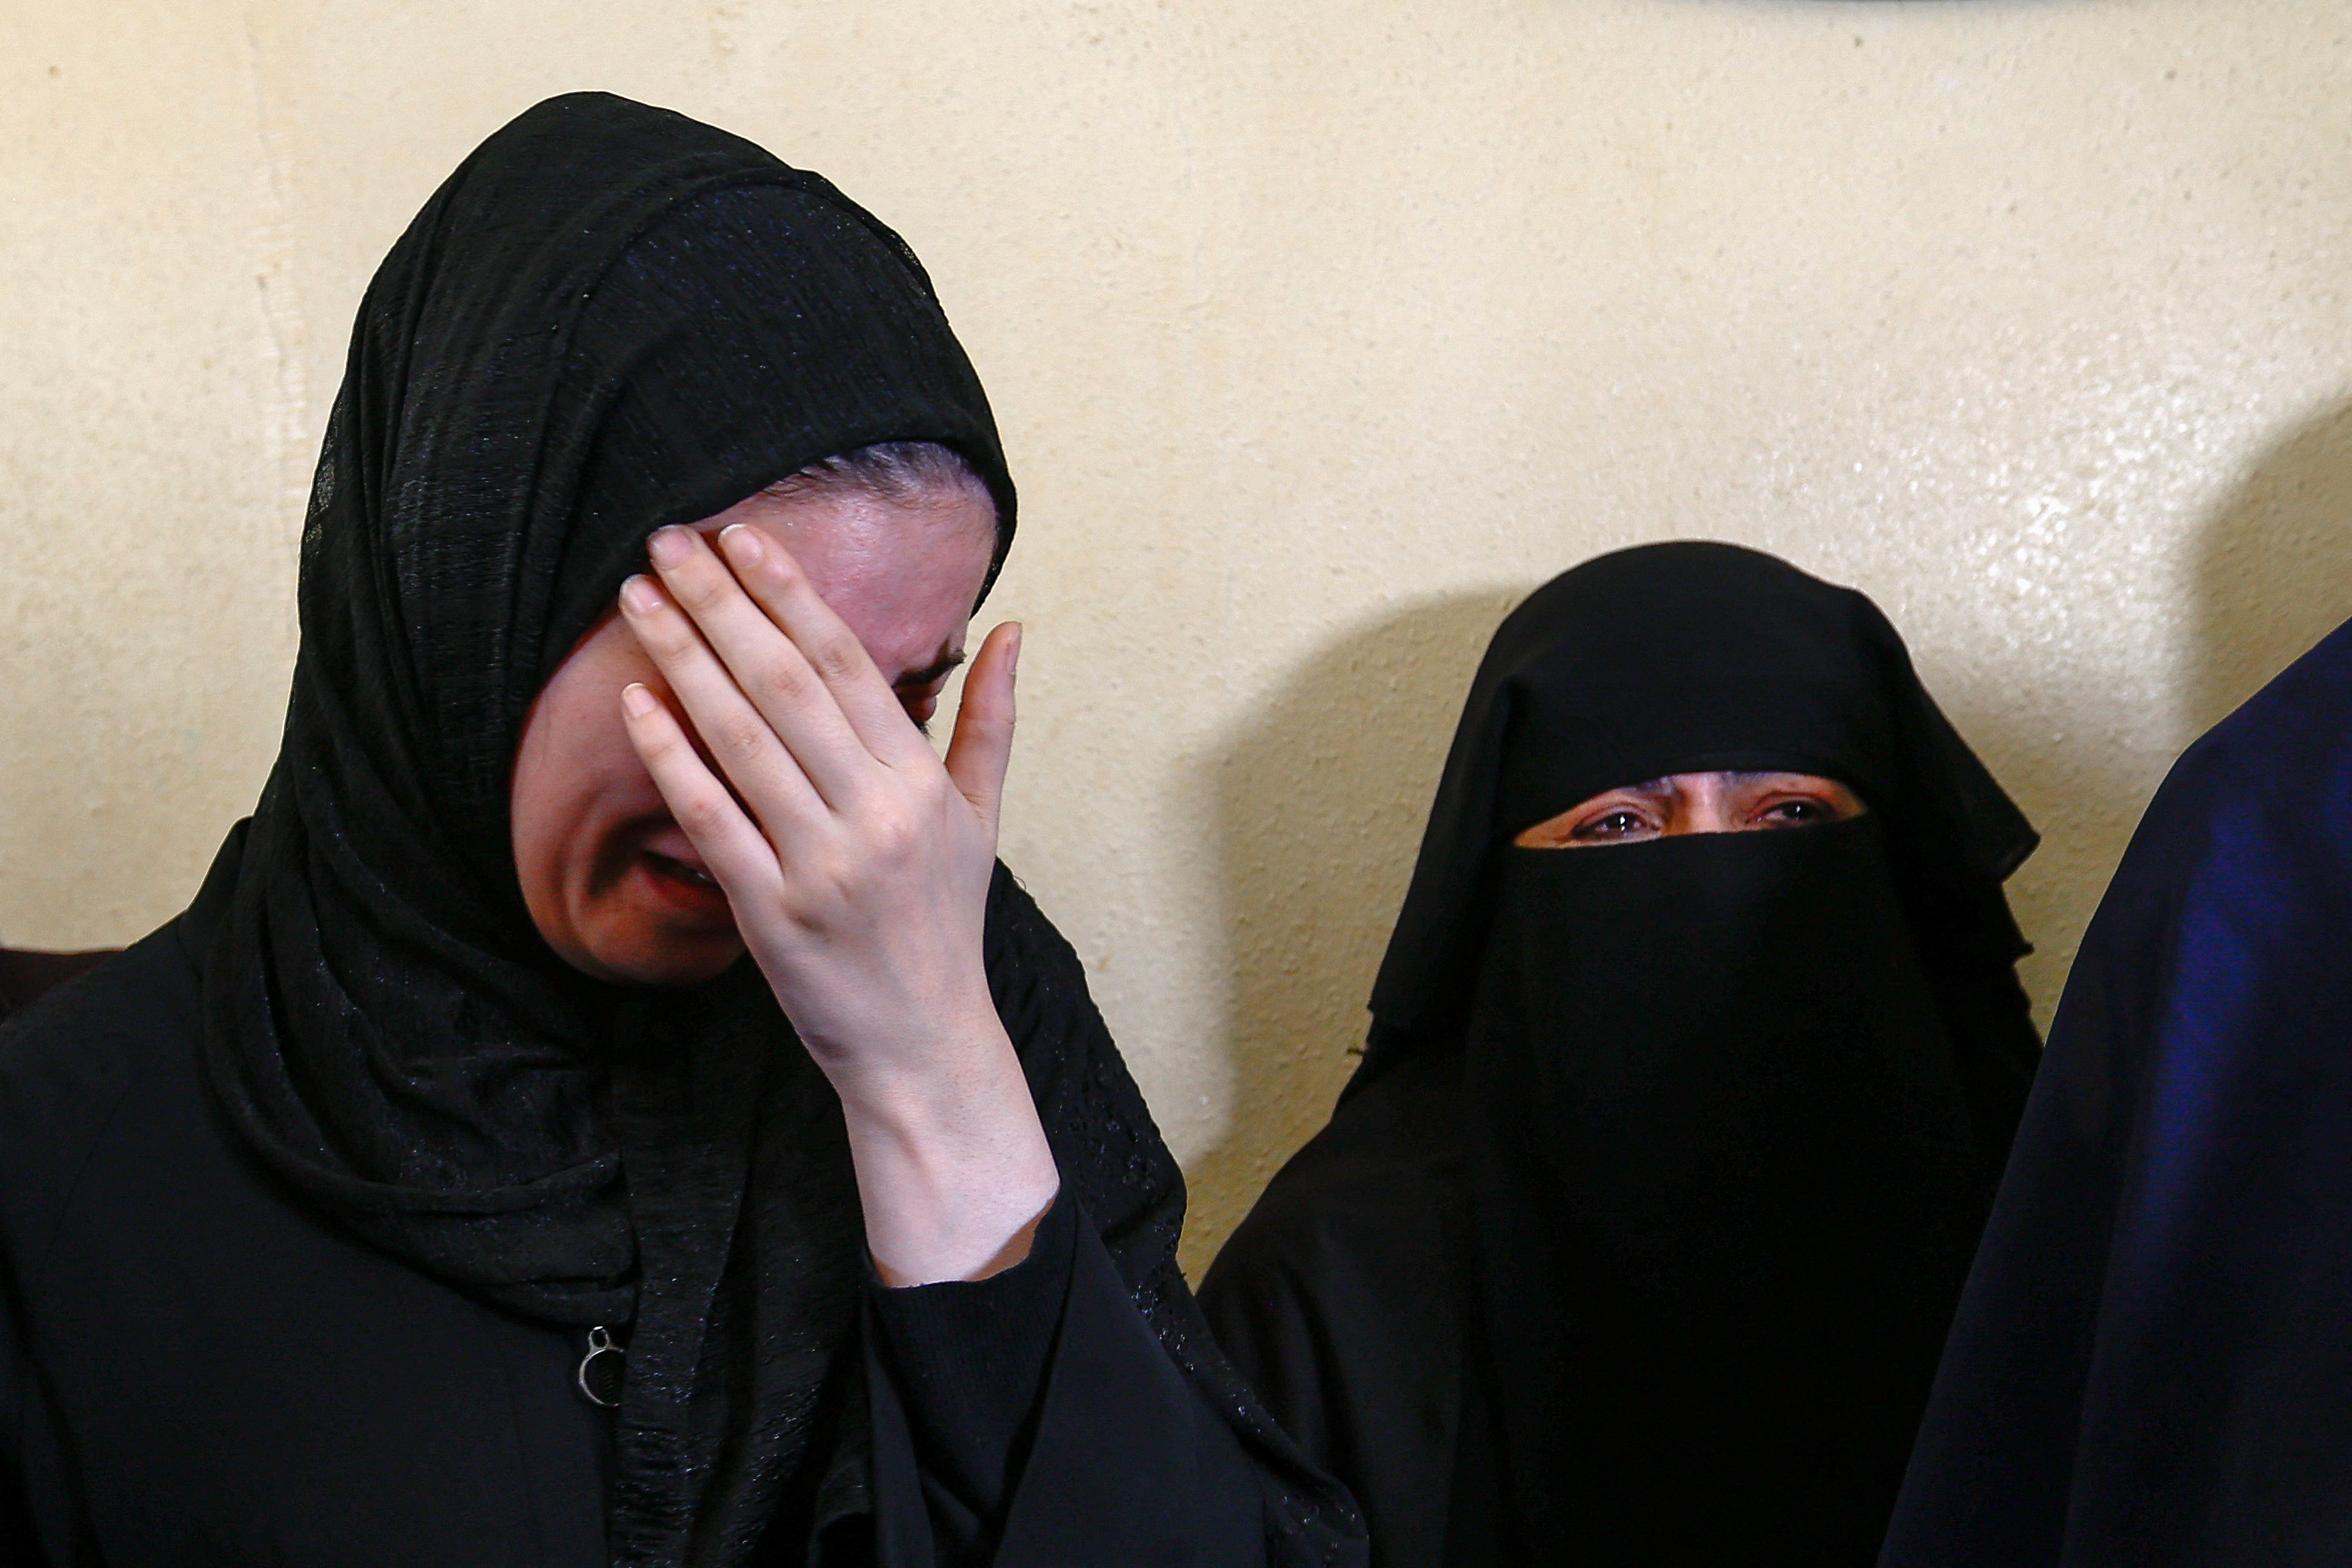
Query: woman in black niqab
x=1634 y=1236
x=315 y=1199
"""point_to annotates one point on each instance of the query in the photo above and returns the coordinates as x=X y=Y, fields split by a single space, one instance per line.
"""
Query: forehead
x=904 y=575
x=1727 y=779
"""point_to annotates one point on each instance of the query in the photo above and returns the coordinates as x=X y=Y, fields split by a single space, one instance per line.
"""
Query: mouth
x=678 y=877
x=690 y=873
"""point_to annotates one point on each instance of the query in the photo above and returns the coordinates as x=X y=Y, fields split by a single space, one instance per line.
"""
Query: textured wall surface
x=1319 y=332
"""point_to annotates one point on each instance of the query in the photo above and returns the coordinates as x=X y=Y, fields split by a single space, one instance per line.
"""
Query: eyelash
x=1598 y=828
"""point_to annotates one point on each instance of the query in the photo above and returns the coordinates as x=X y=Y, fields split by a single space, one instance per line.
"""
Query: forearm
x=952 y=1165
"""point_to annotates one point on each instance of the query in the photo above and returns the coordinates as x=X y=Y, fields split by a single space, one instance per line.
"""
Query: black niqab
x=1726 y=1187
x=1730 y=1104
x=1693 y=657
x=608 y=320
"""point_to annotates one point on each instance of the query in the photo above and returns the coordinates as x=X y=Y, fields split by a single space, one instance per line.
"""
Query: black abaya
x=1635 y=1236
x=195 y=1369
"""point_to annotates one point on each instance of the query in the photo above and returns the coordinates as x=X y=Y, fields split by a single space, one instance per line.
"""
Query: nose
x=1702 y=804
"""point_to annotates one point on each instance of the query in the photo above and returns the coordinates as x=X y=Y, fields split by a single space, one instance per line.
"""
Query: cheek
x=575 y=772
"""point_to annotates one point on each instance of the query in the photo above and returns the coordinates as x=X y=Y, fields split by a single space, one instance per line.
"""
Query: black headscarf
x=2151 y=1367
x=1733 y=1102
x=608 y=320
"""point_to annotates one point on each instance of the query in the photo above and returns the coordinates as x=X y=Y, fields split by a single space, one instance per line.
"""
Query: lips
x=676 y=875
x=669 y=844
x=688 y=872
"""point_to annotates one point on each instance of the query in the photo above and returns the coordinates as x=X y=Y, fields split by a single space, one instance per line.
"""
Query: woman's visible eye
x=1794 y=812
x=1612 y=817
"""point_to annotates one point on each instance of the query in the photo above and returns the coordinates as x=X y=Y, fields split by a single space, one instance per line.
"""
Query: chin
x=658 y=926
x=671 y=962
x=637 y=946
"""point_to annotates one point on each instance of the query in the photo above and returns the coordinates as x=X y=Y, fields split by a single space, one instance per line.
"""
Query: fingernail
x=667 y=546
x=742 y=544
x=639 y=597
x=1013 y=658
x=636 y=700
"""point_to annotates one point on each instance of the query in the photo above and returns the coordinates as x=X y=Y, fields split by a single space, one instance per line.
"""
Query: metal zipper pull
x=599 y=1375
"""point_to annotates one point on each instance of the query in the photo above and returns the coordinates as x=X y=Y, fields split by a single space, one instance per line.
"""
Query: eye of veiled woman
x=1618 y=823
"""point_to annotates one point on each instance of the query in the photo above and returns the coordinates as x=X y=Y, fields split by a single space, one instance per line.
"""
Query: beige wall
x=1319 y=332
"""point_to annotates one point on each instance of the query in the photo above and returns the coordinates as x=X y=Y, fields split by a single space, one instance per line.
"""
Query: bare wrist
x=952 y=1165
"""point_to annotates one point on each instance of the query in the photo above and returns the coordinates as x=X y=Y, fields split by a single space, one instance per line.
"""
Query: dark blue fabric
x=2152 y=1365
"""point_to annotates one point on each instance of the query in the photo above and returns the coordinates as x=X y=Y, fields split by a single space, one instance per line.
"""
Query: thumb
x=981 y=747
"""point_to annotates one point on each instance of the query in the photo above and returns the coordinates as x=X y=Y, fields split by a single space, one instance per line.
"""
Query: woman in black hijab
x=1634 y=1238
x=439 y=1187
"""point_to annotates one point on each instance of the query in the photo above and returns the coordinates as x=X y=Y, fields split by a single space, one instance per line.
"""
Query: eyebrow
x=924 y=677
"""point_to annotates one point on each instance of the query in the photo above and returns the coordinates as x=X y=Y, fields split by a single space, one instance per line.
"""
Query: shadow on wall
x=2082 y=796
x=1320 y=796
x=2269 y=574
x=2273 y=567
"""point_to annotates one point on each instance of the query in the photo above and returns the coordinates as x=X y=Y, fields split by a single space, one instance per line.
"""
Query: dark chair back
x=26 y=976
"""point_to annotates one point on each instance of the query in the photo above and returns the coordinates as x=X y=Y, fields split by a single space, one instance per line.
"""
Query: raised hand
x=857 y=867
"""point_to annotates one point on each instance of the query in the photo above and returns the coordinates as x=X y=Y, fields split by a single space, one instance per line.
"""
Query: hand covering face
x=610 y=319
x=1734 y=1101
